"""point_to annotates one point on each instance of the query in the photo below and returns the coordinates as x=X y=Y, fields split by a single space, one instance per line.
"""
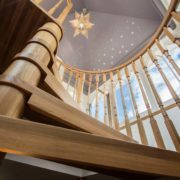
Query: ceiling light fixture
x=81 y=23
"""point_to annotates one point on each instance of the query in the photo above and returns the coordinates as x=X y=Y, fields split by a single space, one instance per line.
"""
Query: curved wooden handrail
x=140 y=53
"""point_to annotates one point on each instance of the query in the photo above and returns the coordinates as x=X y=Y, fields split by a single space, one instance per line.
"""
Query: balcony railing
x=141 y=97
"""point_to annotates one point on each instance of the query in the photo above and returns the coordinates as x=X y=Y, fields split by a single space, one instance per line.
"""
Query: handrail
x=142 y=51
x=88 y=86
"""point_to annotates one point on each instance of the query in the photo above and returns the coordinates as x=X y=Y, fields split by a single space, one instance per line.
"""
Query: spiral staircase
x=60 y=114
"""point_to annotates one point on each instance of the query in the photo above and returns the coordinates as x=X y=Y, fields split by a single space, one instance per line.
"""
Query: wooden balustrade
x=154 y=126
x=19 y=90
x=171 y=36
x=139 y=122
x=108 y=87
x=168 y=56
x=169 y=86
x=127 y=125
x=91 y=80
x=168 y=122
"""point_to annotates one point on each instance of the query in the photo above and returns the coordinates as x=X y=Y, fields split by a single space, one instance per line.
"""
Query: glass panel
x=170 y=76
x=165 y=134
x=174 y=115
x=159 y=84
x=149 y=133
x=174 y=51
x=128 y=100
x=101 y=107
x=166 y=3
x=124 y=132
x=178 y=8
x=138 y=94
x=135 y=133
x=93 y=108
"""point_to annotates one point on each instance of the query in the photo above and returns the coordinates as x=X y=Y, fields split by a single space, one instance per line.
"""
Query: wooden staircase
x=39 y=118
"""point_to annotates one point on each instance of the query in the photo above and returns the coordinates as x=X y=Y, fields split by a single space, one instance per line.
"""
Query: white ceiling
x=121 y=28
x=133 y=8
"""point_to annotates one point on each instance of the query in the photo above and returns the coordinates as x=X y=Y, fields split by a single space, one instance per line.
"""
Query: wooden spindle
x=170 y=127
x=75 y=85
x=127 y=123
x=65 y=12
x=89 y=93
x=171 y=69
x=97 y=96
x=154 y=125
x=176 y=16
x=169 y=86
x=55 y=7
x=171 y=36
x=113 y=102
x=80 y=87
x=139 y=122
x=105 y=100
x=168 y=56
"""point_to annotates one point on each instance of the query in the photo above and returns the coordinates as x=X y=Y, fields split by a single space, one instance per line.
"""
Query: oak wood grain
x=63 y=145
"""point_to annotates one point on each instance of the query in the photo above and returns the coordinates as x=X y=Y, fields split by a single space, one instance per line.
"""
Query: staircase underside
x=98 y=147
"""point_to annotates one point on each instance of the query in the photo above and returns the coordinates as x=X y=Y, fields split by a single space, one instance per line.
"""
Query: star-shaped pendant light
x=81 y=23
